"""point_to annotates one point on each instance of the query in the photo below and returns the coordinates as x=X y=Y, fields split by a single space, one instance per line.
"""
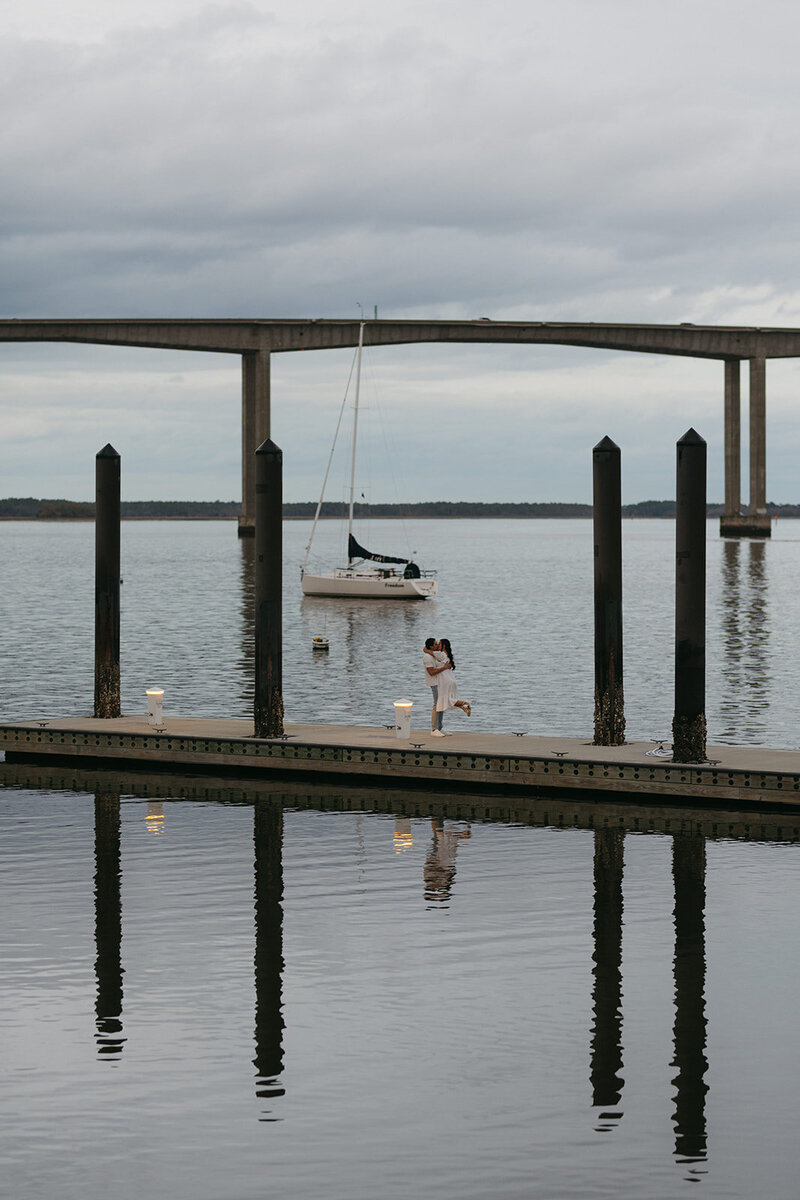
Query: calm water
x=212 y=998
x=516 y=602
x=229 y=994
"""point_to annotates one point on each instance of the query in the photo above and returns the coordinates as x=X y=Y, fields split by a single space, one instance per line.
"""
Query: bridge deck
x=243 y=336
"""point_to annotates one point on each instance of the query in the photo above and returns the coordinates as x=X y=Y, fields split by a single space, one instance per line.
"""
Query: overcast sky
x=617 y=160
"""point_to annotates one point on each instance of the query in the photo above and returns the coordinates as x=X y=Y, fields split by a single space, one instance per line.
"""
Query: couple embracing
x=440 y=667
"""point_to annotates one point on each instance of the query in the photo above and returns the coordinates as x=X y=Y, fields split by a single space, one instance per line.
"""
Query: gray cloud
x=603 y=160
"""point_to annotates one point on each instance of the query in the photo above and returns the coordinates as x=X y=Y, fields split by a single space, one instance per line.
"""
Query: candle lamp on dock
x=155 y=699
x=402 y=716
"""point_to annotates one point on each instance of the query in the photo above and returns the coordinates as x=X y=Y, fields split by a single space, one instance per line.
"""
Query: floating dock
x=467 y=760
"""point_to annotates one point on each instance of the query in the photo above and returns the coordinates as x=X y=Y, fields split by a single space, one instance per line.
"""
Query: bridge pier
x=755 y=522
x=255 y=430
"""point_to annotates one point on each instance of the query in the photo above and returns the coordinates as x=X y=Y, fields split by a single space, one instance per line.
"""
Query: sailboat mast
x=355 y=435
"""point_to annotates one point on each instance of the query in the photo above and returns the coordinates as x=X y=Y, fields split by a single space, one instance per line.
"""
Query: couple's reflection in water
x=689 y=971
x=268 y=937
x=439 y=871
x=440 y=864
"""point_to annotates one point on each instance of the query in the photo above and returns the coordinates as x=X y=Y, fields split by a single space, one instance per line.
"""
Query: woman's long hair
x=446 y=647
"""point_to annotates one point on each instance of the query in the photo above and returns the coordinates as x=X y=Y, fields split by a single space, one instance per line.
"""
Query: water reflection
x=269 y=1025
x=108 y=924
x=403 y=837
x=268 y=912
x=732 y=657
x=689 y=869
x=247 y=617
x=606 y=1042
x=745 y=641
x=154 y=819
x=758 y=633
x=447 y=830
x=440 y=864
x=368 y=664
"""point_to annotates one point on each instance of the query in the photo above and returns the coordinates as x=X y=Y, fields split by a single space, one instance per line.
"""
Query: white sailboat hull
x=368 y=585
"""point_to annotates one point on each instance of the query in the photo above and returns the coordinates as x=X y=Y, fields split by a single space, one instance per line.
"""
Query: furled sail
x=356 y=551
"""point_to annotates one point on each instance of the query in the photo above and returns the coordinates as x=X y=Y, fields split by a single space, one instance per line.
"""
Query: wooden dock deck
x=467 y=760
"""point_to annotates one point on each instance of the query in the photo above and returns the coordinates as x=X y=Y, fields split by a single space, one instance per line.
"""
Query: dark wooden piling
x=609 y=698
x=689 y=722
x=268 y=699
x=106 y=584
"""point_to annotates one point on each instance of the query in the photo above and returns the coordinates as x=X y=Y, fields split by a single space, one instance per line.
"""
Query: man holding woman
x=437 y=659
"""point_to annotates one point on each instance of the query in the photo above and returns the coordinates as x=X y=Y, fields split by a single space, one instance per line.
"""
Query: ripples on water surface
x=516 y=601
x=210 y=1000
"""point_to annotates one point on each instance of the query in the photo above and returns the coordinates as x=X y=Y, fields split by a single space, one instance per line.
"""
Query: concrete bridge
x=256 y=340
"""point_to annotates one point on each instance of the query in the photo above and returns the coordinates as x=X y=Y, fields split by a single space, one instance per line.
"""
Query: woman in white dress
x=448 y=689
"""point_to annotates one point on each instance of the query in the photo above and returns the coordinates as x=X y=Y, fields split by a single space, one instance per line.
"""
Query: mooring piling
x=609 y=699
x=268 y=699
x=689 y=722
x=106 y=583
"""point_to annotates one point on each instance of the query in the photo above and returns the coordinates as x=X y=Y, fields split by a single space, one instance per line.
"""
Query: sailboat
x=358 y=579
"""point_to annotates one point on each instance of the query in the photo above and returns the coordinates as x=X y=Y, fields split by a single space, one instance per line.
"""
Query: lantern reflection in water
x=403 y=837
x=154 y=820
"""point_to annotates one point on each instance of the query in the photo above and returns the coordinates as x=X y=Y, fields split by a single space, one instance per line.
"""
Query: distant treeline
x=210 y=510
x=199 y=510
x=468 y=508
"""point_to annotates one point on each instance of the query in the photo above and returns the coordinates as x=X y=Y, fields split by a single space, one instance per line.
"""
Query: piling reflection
x=687 y=829
x=268 y=892
x=108 y=925
x=732 y=657
x=745 y=641
x=247 y=616
x=606 y=1043
x=688 y=868
x=440 y=864
x=758 y=634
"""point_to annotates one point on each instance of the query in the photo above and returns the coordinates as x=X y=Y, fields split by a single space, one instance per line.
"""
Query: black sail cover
x=356 y=551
